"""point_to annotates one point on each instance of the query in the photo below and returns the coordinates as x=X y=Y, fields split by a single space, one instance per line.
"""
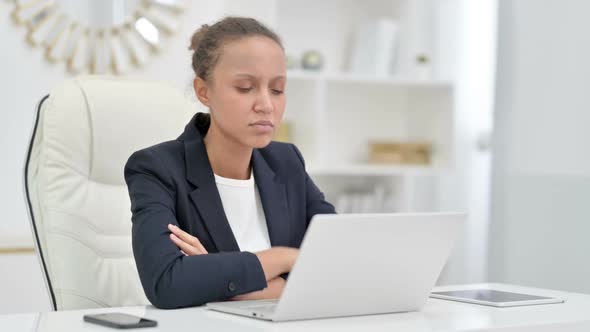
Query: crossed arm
x=173 y=280
x=275 y=261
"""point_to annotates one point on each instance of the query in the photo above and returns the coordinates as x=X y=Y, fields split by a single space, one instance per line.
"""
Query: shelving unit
x=374 y=170
x=302 y=75
x=334 y=114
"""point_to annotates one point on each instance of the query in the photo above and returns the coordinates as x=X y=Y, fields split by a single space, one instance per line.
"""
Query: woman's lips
x=263 y=126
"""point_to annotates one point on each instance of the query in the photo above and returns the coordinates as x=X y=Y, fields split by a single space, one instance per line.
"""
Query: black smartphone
x=120 y=320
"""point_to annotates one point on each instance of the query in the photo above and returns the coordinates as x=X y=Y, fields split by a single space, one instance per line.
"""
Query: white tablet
x=494 y=298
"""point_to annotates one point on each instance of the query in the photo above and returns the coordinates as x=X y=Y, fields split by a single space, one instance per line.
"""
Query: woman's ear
x=201 y=91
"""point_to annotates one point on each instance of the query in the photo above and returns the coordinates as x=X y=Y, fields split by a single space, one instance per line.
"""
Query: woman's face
x=246 y=94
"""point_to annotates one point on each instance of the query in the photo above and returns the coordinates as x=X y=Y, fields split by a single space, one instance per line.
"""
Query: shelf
x=374 y=170
x=15 y=241
x=334 y=113
x=364 y=79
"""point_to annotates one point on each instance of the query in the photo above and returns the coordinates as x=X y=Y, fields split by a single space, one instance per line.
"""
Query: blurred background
x=397 y=105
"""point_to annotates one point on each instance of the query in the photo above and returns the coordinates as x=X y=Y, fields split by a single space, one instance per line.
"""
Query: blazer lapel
x=206 y=196
x=274 y=200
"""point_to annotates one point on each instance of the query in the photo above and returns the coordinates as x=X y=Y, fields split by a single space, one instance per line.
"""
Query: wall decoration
x=99 y=36
x=312 y=60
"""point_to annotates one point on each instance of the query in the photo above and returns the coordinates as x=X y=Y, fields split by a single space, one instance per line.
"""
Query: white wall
x=541 y=186
x=21 y=284
x=467 y=189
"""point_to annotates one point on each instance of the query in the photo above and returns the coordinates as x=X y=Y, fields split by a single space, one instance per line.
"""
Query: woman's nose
x=264 y=102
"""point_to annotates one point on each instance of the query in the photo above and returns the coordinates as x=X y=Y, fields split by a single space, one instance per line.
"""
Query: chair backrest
x=78 y=202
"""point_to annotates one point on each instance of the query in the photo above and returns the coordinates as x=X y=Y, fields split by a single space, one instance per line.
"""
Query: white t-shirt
x=243 y=209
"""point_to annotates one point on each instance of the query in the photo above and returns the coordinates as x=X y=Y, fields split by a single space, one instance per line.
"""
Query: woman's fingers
x=179 y=232
x=185 y=248
x=187 y=238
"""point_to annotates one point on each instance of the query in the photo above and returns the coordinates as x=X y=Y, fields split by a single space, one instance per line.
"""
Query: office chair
x=78 y=203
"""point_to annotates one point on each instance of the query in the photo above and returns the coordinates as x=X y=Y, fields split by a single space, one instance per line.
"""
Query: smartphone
x=120 y=320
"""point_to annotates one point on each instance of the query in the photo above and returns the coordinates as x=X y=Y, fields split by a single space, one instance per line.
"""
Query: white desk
x=437 y=315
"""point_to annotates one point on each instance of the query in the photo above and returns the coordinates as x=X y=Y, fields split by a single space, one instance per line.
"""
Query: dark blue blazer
x=173 y=183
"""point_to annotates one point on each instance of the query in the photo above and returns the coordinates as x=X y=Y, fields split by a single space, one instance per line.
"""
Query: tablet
x=494 y=298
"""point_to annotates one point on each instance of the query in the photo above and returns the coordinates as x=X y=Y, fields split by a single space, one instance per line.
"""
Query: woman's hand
x=188 y=244
x=272 y=291
x=277 y=260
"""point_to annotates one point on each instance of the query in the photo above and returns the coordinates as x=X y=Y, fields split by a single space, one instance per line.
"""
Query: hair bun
x=198 y=36
x=207 y=40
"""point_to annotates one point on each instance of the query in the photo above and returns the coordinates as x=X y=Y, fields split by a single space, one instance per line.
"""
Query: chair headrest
x=93 y=123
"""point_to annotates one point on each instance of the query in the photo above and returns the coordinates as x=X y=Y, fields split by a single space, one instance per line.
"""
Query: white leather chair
x=86 y=128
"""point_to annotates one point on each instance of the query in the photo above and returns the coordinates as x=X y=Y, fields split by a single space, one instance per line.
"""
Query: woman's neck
x=228 y=158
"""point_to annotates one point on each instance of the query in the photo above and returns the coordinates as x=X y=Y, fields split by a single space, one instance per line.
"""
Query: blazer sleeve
x=315 y=200
x=169 y=278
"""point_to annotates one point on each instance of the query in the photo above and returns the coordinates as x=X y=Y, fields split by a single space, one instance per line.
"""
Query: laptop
x=360 y=264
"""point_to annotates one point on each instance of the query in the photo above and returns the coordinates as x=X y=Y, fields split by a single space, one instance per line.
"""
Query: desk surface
x=437 y=315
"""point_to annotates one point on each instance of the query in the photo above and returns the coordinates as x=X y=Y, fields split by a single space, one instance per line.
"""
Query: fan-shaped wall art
x=99 y=36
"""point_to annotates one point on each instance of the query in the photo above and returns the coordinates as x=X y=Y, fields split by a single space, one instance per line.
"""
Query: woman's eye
x=240 y=89
x=277 y=92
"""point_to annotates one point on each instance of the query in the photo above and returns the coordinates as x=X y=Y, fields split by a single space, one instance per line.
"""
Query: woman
x=219 y=213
